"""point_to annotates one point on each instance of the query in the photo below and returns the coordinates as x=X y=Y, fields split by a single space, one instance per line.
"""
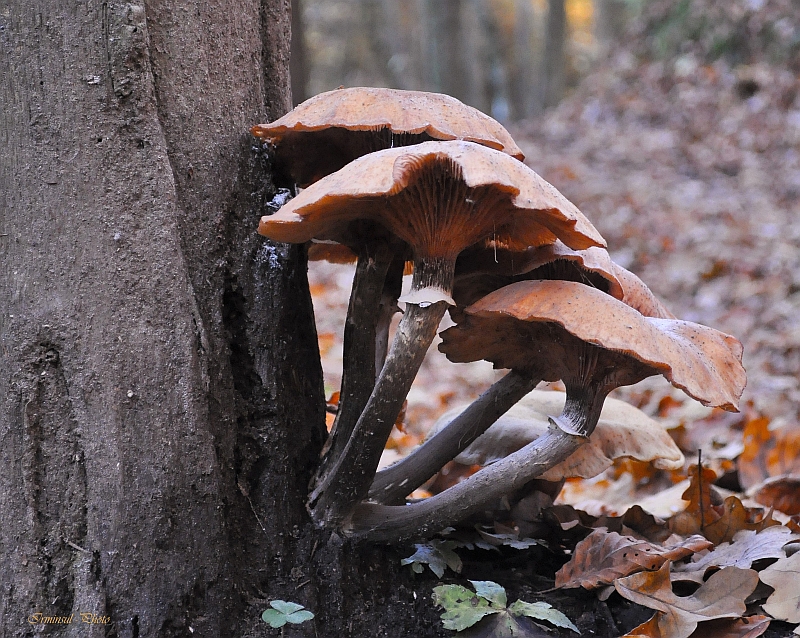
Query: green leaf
x=274 y=618
x=509 y=539
x=437 y=554
x=463 y=608
x=299 y=616
x=284 y=607
x=281 y=612
x=491 y=591
x=542 y=611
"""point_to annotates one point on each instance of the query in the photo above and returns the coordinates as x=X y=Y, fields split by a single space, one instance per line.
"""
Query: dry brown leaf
x=623 y=431
x=721 y=596
x=700 y=511
x=747 y=547
x=768 y=452
x=784 y=577
x=749 y=627
x=780 y=492
x=704 y=515
x=604 y=556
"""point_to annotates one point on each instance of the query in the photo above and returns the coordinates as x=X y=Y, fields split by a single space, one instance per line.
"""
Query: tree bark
x=554 y=60
x=298 y=63
x=161 y=400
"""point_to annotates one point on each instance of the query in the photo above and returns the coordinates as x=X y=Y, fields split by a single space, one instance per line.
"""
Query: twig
x=78 y=547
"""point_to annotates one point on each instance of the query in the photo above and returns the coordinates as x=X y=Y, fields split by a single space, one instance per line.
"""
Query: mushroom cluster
x=390 y=177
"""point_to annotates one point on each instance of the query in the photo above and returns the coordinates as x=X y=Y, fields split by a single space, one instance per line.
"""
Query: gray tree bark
x=554 y=59
x=298 y=62
x=161 y=400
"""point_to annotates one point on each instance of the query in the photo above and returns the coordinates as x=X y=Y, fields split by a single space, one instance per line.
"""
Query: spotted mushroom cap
x=541 y=324
x=623 y=431
x=439 y=198
x=331 y=129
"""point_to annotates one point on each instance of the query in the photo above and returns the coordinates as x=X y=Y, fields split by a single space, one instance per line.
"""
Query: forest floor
x=692 y=174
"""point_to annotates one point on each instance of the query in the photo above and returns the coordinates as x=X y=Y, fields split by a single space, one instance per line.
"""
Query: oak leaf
x=749 y=627
x=721 y=596
x=784 y=577
x=718 y=522
x=604 y=556
x=747 y=547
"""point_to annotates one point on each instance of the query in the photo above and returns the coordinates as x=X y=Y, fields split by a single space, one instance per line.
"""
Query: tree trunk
x=298 y=63
x=554 y=60
x=161 y=400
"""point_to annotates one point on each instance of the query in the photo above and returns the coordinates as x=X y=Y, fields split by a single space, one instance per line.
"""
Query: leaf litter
x=690 y=170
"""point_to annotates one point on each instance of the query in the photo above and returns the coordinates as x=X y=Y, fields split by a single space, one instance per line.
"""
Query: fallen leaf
x=780 y=492
x=436 y=554
x=747 y=547
x=718 y=522
x=784 y=577
x=768 y=452
x=747 y=627
x=699 y=512
x=721 y=596
x=604 y=556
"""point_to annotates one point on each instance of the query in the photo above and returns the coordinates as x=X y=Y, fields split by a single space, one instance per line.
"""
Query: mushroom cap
x=543 y=324
x=484 y=268
x=439 y=198
x=623 y=431
x=331 y=252
x=331 y=129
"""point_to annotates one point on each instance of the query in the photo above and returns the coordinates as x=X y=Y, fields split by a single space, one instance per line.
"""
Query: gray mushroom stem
x=359 y=356
x=395 y=482
x=350 y=474
x=393 y=523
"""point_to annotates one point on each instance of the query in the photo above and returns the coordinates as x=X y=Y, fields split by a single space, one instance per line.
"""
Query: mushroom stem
x=587 y=390
x=393 y=483
x=358 y=367
x=387 y=308
x=347 y=481
x=392 y=523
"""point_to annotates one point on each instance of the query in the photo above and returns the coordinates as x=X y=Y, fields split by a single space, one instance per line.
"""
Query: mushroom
x=438 y=198
x=330 y=130
x=322 y=135
x=594 y=343
x=485 y=268
x=622 y=431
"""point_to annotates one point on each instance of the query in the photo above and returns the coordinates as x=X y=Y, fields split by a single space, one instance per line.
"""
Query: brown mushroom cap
x=438 y=197
x=622 y=431
x=326 y=132
x=544 y=323
x=485 y=268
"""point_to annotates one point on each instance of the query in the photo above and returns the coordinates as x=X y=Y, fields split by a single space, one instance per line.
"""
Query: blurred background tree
x=509 y=58
x=515 y=58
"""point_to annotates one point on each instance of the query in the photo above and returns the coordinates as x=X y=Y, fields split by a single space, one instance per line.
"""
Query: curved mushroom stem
x=359 y=356
x=393 y=483
x=587 y=390
x=348 y=478
x=392 y=523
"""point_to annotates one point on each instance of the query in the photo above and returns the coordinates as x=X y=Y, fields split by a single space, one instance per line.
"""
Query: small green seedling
x=464 y=608
x=436 y=554
x=282 y=612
